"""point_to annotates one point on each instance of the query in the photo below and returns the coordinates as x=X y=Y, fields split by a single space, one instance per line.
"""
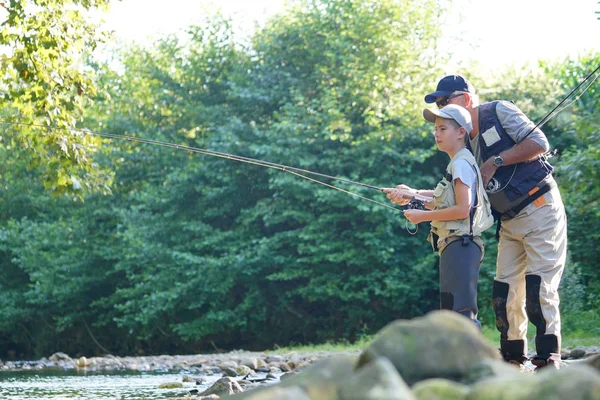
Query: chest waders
x=511 y=191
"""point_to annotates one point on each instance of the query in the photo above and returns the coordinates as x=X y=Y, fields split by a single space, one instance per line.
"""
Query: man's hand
x=400 y=195
x=415 y=216
x=488 y=169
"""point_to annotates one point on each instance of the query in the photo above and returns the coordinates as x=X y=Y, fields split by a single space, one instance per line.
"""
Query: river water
x=73 y=385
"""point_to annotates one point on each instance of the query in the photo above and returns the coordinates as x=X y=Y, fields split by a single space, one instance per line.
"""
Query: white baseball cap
x=451 y=111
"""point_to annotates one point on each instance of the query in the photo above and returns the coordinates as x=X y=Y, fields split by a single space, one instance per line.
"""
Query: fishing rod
x=292 y=170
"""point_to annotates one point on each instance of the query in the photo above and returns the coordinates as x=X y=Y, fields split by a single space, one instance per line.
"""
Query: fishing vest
x=480 y=217
x=513 y=186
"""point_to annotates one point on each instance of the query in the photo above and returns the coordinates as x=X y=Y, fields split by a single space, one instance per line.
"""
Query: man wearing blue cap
x=533 y=234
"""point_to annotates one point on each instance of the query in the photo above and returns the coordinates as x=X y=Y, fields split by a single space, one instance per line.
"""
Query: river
x=73 y=385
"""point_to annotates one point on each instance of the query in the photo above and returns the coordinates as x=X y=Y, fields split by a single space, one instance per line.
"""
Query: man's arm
x=525 y=151
x=529 y=145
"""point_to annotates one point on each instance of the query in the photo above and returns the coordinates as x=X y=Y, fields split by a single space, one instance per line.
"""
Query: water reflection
x=36 y=385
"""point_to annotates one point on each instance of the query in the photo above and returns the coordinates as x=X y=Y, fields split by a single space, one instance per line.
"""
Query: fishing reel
x=414 y=204
x=493 y=186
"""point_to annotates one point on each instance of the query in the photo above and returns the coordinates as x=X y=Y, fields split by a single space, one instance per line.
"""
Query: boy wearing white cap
x=460 y=212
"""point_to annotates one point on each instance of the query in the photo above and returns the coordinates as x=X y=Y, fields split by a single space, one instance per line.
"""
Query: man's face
x=443 y=101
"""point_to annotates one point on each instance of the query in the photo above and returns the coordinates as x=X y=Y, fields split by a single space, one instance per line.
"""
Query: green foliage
x=45 y=88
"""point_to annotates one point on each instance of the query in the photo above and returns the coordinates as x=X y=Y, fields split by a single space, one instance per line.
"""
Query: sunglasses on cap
x=443 y=101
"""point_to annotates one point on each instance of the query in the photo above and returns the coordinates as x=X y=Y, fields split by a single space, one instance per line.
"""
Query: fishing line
x=292 y=170
x=554 y=111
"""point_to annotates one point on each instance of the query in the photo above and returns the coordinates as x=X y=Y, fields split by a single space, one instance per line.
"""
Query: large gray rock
x=377 y=380
x=442 y=344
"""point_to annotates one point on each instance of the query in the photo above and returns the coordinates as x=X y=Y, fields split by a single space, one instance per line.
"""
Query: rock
x=285 y=367
x=273 y=358
x=316 y=382
x=377 y=380
x=170 y=385
x=279 y=393
x=523 y=387
x=250 y=363
x=243 y=370
x=228 y=364
x=575 y=382
x=195 y=379
x=225 y=385
x=440 y=389
x=82 y=362
x=487 y=369
x=58 y=356
x=230 y=372
x=578 y=381
x=577 y=353
x=594 y=362
x=442 y=344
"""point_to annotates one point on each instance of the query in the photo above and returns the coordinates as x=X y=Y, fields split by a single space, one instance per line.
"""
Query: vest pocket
x=491 y=136
x=439 y=189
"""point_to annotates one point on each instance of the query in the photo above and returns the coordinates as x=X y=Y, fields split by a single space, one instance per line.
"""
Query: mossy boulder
x=377 y=380
x=442 y=344
x=440 y=389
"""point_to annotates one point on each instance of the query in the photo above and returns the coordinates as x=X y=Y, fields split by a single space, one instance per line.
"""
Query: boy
x=460 y=212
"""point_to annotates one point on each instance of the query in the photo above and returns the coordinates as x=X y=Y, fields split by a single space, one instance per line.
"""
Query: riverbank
x=278 y=361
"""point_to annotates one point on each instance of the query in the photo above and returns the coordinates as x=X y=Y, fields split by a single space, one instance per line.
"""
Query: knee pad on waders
x=532 y=303
x=512 y=350
x=545 y=344
x=499 y=298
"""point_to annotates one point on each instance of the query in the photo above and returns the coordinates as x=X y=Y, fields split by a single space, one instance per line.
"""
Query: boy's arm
x=403 y=194
x=456 y=212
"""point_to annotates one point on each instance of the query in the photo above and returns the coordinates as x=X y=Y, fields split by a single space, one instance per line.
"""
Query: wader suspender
x=473 y=208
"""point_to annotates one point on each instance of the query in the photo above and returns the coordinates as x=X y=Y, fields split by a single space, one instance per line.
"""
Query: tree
x=45 y=87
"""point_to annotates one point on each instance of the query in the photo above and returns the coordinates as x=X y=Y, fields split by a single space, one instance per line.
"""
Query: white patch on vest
x=491 y=136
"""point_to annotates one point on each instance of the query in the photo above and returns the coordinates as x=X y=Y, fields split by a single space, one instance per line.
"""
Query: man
x=533 y=233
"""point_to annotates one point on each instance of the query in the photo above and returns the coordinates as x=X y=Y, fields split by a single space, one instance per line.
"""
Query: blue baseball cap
x=448 y=85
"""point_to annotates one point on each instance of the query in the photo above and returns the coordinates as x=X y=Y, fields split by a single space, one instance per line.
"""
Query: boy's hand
x=400 y=195
x=397 y=196
x=415 y=216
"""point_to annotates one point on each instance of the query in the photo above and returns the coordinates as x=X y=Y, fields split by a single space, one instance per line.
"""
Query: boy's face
x=448 y=136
